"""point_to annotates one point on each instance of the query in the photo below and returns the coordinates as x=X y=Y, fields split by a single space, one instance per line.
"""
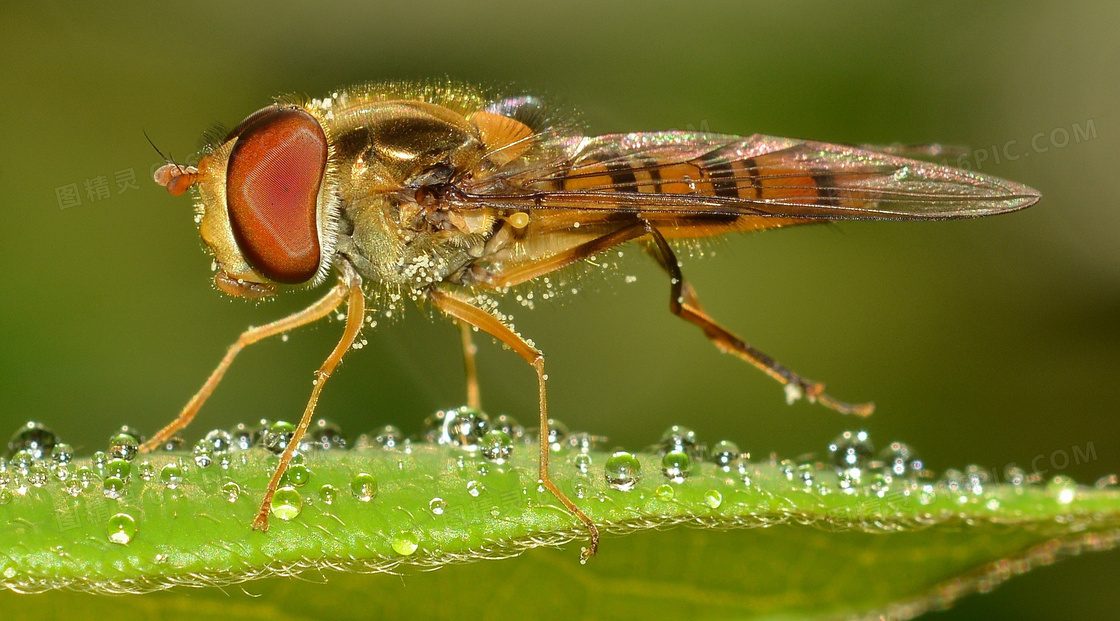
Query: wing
x=703 y=176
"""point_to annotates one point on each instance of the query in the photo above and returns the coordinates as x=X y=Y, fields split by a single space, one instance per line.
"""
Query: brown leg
x=684 y=304
x=355 y=315
x=469 y=314
x=312 y=313
x=474 y=400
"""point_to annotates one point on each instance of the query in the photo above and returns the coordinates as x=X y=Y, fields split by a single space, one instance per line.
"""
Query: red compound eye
x=272 y=183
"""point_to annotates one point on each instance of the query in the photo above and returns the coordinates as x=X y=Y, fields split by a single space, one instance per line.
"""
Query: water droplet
x=297 y=475
x=62 y=453
x=851 y=450
x=146 y=470
x=9 y=480
x=5 y=496
x=203 y=454
x=323 y=435
x=61 y=472
x=123 y=446
x=388 y=437
x=474 y=488
x=286 y=503
x=1063 y=488
x=172 y=444
x=328 y=493
x=680 y=438
x=463 y=427
x=171 y=475
x=1015 y=476
x=38 y=474
x=497 y=446
x=583 y=462
x=437 y=505
x=901 y=461
x=713 y=499
x=242 y=437
x=21 y=461
x=114 y=487
x=622 y=471
x=121 y=528
x=724 y=454
x=84 y=476
x=557 y=435
x=219 y=440
x=231 y=490
x=508 y=424
x=743 y=467
x=585 y=442
x=974 y=479
x=806 y=474
x=879 y=484
x=665 y=491
x=405 y=543
x=119 y=468
x=1107 y=481
x=364 y=487
x=99 y=460
x=676 y=465
x=34 y=437
x=278 y=436
x=496 y=512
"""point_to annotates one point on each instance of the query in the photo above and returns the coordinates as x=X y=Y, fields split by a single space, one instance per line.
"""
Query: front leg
x=355 y=317
x=325 y=306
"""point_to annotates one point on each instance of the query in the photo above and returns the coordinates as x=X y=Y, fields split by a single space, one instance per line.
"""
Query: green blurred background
x=992 y=341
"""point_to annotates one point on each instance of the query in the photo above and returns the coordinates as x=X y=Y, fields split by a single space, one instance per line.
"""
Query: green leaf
x=752 y=539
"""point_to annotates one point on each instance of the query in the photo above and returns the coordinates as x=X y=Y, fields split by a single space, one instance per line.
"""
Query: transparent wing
x=703 y=174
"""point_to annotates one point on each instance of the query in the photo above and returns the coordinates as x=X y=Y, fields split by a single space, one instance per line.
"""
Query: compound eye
x=272 y=186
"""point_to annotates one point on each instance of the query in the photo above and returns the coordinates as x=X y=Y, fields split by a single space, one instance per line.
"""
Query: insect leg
x=468 y=313
x=684 y=304
x=312 y=313
x=474 y=400
x=355 y=316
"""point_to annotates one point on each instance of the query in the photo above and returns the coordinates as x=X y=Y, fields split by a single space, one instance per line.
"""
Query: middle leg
x=469 y=314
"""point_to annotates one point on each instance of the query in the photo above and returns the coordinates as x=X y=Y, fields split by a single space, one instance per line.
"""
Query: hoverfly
x=443 y=193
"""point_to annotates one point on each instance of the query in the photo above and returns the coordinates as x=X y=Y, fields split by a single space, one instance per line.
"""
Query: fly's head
x=267 y=205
